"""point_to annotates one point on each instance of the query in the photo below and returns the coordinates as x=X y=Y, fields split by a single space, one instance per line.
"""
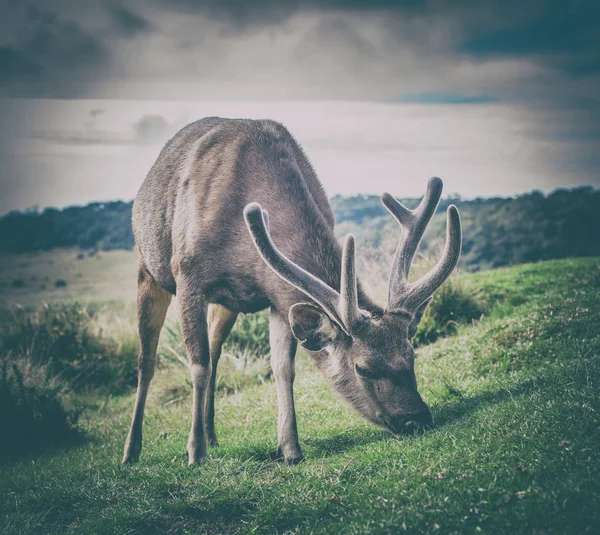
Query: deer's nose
x=417 y=422
x=410 y=427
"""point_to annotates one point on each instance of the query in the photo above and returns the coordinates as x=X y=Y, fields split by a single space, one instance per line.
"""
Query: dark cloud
x=43 y=52
x=542 y=52
x=14 y=64
x=61 y=49
x=127 y=22
x=565 y=35
x=556 y=34
x=243 y=14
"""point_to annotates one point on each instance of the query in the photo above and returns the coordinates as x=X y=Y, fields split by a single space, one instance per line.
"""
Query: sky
x=496 y=97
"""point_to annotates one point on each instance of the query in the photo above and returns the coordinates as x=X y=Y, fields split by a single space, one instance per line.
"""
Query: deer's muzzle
x=410 y=424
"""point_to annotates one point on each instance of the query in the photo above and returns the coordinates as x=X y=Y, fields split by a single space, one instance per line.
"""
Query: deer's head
x=369 y=358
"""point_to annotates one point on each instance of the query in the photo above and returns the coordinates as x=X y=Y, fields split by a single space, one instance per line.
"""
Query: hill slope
x=515 y=451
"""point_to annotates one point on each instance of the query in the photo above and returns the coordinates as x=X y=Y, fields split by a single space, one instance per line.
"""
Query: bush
x=250 y=335
x=33 y=411
x=61 y=283
x=67 y=339
x=453 y=305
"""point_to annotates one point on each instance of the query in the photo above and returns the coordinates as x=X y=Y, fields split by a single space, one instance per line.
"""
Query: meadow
x=508 y=360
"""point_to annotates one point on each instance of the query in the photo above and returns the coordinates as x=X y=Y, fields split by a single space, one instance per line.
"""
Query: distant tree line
x=102 y=226
x=497 y=231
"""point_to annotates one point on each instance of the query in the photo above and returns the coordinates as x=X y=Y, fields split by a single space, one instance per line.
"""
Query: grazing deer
x=188 y=221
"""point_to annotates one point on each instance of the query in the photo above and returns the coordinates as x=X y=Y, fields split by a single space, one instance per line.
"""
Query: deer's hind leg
x=193 y=312
x=220 y=322
x=152 y=305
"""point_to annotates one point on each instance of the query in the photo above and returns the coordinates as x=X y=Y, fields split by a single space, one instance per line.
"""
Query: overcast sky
x=496 y=97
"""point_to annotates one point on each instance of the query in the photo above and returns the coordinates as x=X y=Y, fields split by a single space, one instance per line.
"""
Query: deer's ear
x=311 y=326
x=414 y=324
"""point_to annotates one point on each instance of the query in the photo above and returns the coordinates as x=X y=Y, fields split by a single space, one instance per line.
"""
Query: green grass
x=516 y=449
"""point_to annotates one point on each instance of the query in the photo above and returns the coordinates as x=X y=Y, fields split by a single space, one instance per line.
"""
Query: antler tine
x=414 y=223
x=419 y=291
x=349 y=299
x=329 y=300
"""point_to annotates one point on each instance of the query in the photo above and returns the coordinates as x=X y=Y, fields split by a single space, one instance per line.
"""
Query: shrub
x=250 y=335
x=18 y=283
x=68 y=340
x=34 y=412
x=454 y=304
x=60 y=283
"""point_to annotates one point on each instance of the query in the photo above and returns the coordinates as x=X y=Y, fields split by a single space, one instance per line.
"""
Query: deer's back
x=188 y=214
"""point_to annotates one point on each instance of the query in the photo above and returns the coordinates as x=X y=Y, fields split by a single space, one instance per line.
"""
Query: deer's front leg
x=283 y=352
x=195 y=335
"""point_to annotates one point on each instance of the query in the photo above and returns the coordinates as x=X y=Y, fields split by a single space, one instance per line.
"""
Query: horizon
x=36 y=209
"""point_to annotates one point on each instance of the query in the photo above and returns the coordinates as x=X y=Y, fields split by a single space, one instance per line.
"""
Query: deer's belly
x=238 y=296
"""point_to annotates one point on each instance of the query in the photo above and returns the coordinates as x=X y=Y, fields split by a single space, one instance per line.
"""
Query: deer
x=232 y=219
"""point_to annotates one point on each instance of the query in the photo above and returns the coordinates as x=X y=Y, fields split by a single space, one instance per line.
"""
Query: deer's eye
x=363 y=372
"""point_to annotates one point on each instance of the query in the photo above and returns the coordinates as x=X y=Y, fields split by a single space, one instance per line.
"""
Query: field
x=514 y=394
x=31 y=278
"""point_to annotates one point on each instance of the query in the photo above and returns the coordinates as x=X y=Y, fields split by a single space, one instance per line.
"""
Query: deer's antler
x=401 y=293
x=342 y=308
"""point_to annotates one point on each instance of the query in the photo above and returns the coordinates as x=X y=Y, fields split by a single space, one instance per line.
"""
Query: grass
x=30 y=278
x=516 y=450
x=69 y=339
x=453 y=305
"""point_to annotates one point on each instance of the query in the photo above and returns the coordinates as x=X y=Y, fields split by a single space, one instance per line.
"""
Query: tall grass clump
x=453 y=305
x=245 y=356
x=250 y=335
x=69 y=340
x=35 y=409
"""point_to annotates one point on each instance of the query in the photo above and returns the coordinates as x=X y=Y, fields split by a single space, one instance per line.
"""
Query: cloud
x=128 y=22
x=44 y=53
x=152 y=128
x=244 y=15
x=538 y=60
x=96 y=127
x=554 y=32
x=294 y=49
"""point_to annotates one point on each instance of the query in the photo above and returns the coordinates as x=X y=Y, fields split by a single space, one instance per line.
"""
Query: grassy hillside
x=515 y=396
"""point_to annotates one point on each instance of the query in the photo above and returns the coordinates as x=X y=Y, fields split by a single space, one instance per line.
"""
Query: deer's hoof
x=195 y=456
x=132 y=454
x=290 y=455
